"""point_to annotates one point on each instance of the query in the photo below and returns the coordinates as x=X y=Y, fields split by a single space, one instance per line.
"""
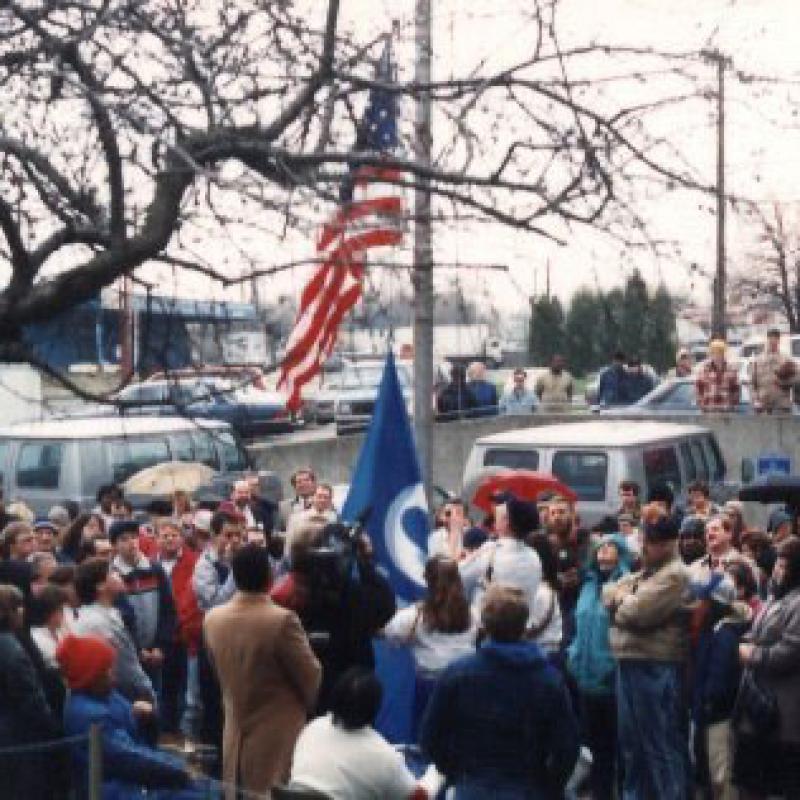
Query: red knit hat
x=83 y=659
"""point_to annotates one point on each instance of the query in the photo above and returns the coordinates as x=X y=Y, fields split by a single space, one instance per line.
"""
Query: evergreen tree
x=661 y=332
x=635 y=308
x=546 y=333
x=609 y=336
x=584 y=319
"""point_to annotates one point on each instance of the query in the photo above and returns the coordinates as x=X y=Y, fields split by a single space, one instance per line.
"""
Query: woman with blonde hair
x=439 y=630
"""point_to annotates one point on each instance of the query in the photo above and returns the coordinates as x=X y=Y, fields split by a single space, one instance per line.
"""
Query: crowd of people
x=771 y=378
x=653 y=655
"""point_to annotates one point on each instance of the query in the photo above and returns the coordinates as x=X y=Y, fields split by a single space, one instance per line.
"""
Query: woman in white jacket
x=438 y=630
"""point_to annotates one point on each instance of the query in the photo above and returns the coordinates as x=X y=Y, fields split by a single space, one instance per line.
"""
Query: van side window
x=233 y=456
x=584 y=472
x=3 y=459
x=204 y=450
x=688 y=462
x=39 y=465
x=700 y=460
x=129 y=456
x=661 y=466
x=181 y=446
x=513 y=459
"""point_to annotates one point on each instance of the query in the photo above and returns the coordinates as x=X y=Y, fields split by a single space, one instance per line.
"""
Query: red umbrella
x=523 y=483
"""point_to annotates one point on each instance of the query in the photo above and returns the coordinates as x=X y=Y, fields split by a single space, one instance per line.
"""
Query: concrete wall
x=334 y=458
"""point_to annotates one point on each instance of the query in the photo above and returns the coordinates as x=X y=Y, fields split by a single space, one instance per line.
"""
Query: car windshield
x=362 y=377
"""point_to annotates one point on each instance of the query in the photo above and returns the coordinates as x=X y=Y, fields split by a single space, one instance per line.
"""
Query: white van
x=592 y=458
x=44 y=463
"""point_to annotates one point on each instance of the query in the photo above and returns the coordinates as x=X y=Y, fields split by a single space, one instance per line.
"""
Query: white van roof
x=101 y=427
x=621 y=433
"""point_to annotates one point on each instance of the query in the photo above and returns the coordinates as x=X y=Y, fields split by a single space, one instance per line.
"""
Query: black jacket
x=25 y=718
x=341 y=621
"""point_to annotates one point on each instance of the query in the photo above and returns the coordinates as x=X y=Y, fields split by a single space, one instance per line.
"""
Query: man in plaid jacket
x=717 y=383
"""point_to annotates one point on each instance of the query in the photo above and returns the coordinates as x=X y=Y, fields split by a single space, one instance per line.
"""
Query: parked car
x=48 y=462
x=675 y=396
x=249 y=410
x=319 y=406
x=358 y=391
x=592 y=458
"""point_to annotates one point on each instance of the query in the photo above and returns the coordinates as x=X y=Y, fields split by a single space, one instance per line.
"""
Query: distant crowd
x=652 y=655
x=771 y=378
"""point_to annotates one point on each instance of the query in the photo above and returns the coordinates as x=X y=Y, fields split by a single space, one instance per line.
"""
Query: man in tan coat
x=268 y=675
x=772 y=376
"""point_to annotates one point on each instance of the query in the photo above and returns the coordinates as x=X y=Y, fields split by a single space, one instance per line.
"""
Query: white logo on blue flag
x=387 y=481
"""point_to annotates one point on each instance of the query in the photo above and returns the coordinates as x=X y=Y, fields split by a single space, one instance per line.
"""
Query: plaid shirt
x=717 y=387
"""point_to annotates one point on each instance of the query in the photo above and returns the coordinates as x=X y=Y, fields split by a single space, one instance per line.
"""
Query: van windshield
x=129 y=456
x=513 y=459
x=583 y=471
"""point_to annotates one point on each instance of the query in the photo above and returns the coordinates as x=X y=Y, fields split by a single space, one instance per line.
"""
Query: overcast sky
x=762 y=135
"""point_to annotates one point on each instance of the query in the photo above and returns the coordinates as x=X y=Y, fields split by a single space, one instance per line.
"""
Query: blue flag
x=387 y=485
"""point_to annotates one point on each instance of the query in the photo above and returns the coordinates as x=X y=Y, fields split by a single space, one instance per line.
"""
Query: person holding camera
x=507 y=559
x=340 y=596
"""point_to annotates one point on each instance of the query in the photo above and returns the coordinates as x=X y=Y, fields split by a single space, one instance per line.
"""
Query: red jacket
x=190 y=617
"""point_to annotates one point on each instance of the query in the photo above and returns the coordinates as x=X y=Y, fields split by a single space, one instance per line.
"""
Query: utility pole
x=423 y=252
x=718 y=317
x=126 y=332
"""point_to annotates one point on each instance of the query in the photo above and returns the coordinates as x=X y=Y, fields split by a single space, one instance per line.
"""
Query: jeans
x=599 y=717
x=653 y=733
x=193 y=707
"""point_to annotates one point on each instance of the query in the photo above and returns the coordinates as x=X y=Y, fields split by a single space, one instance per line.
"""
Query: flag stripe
x=370 y=215
x=384 y=205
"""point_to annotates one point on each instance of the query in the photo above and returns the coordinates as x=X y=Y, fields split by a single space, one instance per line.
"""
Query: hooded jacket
x=589 y=657
x=502 y=716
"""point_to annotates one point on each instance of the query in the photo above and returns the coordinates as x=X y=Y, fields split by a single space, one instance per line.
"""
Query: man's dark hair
x=661 y=492
x=250 y=567
x=72 y=507
x=356 y=699
x=108 y=489
x=630 y=486
x=607 y=524
x=50 y=599
x=618 y=356
x=88 y=576
x=219 y=520
x=699 y=486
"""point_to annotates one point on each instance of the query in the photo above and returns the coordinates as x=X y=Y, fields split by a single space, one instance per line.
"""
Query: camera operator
x=341 y=598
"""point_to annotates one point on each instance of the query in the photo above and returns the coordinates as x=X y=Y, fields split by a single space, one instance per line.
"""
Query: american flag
x=369 y=216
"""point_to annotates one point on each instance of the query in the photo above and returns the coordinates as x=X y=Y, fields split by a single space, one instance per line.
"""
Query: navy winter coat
x=502 y=717
x=131 y=769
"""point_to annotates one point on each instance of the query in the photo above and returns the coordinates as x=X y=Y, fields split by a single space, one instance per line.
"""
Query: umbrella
x=523 y=483
x=774 y=489
x=168 y=477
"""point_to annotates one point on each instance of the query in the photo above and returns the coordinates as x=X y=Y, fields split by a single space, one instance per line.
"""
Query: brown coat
x=269 y=679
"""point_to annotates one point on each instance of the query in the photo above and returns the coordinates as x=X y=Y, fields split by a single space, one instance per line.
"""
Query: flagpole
x=423 y=253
